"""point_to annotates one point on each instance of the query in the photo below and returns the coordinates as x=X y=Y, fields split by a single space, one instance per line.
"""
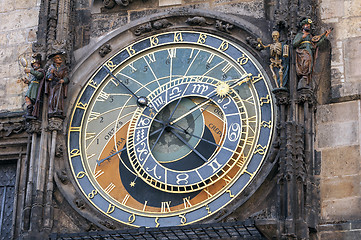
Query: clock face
x=170 y=129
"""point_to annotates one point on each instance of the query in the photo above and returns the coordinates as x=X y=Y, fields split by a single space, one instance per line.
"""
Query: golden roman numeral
x=82 y=105
x=102 y=96
x=227 y=68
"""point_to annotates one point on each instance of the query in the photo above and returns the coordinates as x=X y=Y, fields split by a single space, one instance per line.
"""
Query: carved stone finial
x=305 y=95
x=282 y=96
x=55 y=124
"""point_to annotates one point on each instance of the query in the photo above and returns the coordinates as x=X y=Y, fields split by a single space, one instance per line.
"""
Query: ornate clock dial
x=170 y=129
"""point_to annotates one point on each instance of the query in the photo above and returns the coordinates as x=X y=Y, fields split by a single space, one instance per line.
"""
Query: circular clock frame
x=181 y=217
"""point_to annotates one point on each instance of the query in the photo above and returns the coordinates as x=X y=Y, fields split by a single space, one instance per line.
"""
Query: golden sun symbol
x=222 y=89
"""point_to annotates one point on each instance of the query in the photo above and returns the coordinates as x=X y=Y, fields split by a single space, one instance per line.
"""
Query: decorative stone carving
x=34 y=126
x=55 y=124
x=305 y=95
x=279 y=53
x=197 y=21
x=156 y=25
x=223 y=26
x=254 y=43
x=11 y=127
x=79 y=203
x=143 y=29
x=282 y=96
x=105 y=49
x=109 y=4
x=59 y=150
x=62 y=176
x=163 y=23
x=123 y=2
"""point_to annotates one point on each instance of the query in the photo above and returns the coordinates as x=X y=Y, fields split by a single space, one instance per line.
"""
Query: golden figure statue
x=278 y=52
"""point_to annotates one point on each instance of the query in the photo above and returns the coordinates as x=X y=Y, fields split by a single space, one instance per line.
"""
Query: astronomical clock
x=170 y=128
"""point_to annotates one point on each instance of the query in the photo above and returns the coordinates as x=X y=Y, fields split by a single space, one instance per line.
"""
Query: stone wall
x=338 y=124
x=18 y=26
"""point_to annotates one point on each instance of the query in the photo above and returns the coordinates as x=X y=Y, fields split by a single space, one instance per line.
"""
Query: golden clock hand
x=186 y=143
x=141 y=101
x=179 y=128
x=192 y=110
x=239 y=81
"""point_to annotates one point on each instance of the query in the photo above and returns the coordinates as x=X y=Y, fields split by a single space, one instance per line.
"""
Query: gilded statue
x=279 y=59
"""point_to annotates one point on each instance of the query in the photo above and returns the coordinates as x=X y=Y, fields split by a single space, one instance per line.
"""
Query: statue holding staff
x=57 y=80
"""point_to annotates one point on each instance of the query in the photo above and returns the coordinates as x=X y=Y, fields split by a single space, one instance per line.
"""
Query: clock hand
x=186 y=143
x=239 y=81
x=190 y=111
x=141 y=101
x=179 y=128
x=102 y=160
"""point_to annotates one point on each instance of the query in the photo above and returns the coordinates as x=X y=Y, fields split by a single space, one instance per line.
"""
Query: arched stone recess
x=88 y=59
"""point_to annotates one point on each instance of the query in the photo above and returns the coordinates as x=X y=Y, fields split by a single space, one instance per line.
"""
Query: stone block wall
x=345 y=17
x=18 y=27
x=338 y=124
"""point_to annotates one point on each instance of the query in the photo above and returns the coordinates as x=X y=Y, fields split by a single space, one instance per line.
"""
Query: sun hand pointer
x=141 y=101
x=190 y=111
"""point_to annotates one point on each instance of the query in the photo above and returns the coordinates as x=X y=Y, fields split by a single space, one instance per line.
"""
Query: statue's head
x=58 y=57
x=275 y=36
x=306 y=24
x=36 y=62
